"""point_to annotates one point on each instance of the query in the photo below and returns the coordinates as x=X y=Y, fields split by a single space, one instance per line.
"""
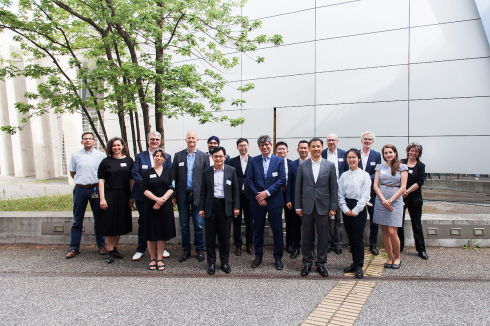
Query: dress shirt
x=354 y=185
x=364 y=159
x=286 y=167
x=244 y=162
x=190 y=168
x=85 y=165
x=266 y=161
x=334 y=158
x=211 y=162
x=219 y=188
x=151 y=159
x=316 y=168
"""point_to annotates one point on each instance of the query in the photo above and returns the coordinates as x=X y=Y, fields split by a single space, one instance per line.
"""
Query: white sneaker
x=166 y=254
x=137 y=256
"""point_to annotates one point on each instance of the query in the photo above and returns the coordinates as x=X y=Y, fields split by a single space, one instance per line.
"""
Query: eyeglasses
x=352 y=157
x=154 y=139
x=87 y=139
x=331 y=140
x=367 y=139
x=264 y=145
x=218 y=156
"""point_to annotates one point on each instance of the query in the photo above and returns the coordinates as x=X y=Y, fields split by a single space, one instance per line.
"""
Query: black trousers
x=354 y=227
x=418 y=232
x=218 y=223
x=246 y=213
x=336 y=230
x=296 y=231
x=373 y=227
x=288 y=216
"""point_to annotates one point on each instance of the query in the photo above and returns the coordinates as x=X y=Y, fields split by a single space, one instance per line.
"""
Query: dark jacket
x=242 y=177
x=232 y=196
x=141 y=165
x=415 y=175
x=179 y=167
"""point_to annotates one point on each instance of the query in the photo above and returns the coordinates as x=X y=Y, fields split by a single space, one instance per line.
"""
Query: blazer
x=232 y=196
x=242 y=177
x=371 y=168
x=180 y=174
x=141 y=165
x=290 y=190
x=343 y=166
x=276 y=177
x=415 y=175
x=323 y=194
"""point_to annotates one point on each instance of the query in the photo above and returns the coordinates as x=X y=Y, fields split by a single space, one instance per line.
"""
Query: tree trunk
x=131 y=119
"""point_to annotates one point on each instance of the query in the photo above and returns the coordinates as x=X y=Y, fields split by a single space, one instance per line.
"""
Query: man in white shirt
x=214 y=141
x=282 y=151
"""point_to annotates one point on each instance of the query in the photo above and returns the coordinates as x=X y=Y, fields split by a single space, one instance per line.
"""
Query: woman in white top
x=354 y=193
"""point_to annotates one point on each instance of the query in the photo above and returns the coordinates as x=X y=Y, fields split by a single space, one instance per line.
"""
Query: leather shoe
x=423 y=255
x=338 y=250
x=322 y=271
x=184 y=256
x=102 y=251
x=359 y=273
x=238 y=251
x=374 y=250
x=279 y=265
x=289 y=249
x=226 y=268
x=200 y=256
x=295 y=254
x=350 y=269
x=313 y=256
x=388 y=265
x=396 y=266
x=305 y=271
x=72 y=254
x=117 y=254
x=250 y=250
x=211 y=269
x=257 y=261
x=110 y=258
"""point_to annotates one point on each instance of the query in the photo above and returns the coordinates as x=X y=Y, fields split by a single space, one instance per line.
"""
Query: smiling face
x=211 y=145
x=316 y=149
x=303 y=151
x=191 y=139
x=158 y=159
x=117 y=147
x=353 y=160
x=265 y=148
x=282 y=151
x=413 y=153
x=88 y=142
x=243 y=148
x=389 y=154
x=366 y=142
x=218 y=159
x=153 y=142
x=332 y=142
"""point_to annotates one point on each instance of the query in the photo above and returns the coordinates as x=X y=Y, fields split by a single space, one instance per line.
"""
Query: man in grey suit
x=219 y=201
x=316 y=201
x=187 y=167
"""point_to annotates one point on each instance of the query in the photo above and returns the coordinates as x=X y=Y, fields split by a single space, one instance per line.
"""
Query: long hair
x=108 y=149
x=395 y=164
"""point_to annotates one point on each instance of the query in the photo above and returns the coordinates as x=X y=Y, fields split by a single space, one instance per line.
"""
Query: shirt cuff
x=268 y=193
x=298 y=210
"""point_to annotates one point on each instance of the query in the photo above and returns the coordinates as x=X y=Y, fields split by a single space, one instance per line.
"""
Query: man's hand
x=131 y=202
x=236 y=211
x=174 y=201
x=261 y=195
x=289 y=205
x=300 y=213
x=332 y=213
x=201 y=214
x=262 y=202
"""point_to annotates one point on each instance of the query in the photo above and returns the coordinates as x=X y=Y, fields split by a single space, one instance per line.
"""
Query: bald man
x=188 y=166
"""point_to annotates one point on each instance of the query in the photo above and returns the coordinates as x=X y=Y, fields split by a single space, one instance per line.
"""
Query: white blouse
x=354 y=185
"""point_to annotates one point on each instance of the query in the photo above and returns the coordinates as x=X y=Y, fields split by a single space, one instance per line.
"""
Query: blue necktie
x=265 y=167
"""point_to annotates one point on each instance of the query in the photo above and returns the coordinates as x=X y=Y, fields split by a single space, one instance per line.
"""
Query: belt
x=382 y=184
x=87 y=186
x=188 y=193
x=218 y=199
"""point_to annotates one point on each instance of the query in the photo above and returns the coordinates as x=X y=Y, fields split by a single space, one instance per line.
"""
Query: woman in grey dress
x=390 y=183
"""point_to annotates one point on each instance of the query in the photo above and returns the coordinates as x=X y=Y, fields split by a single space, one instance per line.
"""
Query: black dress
x=159 y=223
x=116 y=219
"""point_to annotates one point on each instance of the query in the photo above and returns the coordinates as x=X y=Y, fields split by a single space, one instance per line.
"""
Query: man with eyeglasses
x=336 y=156
x=213 y=141
x=369 y=159
x=142 y=163
x=266 y=175
x=83 y=168
x=219 y=201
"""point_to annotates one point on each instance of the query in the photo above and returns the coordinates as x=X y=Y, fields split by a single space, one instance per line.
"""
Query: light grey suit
x=316 y=199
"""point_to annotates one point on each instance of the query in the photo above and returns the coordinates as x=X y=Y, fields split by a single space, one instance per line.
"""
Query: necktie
x=265 y=167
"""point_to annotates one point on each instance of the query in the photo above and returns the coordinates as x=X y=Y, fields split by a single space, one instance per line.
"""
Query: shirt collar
x=319 y=161
x=334 y=152
x=220 y=170
x=88 y=152
x=244 y=159
x=362 y=152
x=267 y=157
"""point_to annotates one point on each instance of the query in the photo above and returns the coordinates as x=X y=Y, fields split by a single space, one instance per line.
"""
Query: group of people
x=319 y=195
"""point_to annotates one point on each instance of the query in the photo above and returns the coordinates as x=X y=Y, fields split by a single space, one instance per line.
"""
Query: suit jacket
x=242 y=177
x=290 y=191
x=141 y=165
x=180 y=174
x=374 y=157
x=323 y=194
x=232 y=195
x=227 y=159
x=276 y=177
x=341 y=160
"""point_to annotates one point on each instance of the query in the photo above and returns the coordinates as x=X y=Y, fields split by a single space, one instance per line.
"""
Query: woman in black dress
x=159 y=214
x=115 y=185
x=412 y=198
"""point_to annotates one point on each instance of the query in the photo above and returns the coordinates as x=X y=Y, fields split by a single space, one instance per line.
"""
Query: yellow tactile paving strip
x=373 y=265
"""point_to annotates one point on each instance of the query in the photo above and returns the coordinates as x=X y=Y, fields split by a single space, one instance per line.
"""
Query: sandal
x=162 y=266
x=152 y=267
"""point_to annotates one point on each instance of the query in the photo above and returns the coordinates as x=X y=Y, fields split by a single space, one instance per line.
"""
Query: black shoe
x=305 y=271
x=289 y=249
x=279 y=265
x=350 y=269
x=200 y=256
x=359 y=273
x=328 y=250
x=313 y=256
x=388 y=265
x=110 y=257
x=338 y=250
x=226 y=268
x=423 y=255
x=374 y=250
x=322 y=271
x=295 y=254
x=117 y=254
x=211 y=269
x=184 y=256
x=396 y=266
x=257 y=261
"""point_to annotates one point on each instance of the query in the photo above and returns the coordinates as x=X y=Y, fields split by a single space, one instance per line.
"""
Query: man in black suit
x=187 y=167
x=282 y=151
x=218 y=202
x=213 y=141
x=240 y=163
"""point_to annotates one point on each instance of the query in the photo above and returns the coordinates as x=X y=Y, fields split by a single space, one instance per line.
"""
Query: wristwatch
x=390 y=201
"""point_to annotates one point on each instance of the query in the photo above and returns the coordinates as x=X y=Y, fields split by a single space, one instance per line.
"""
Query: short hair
x=302 y=142
x=88 y=133
x=282 y=143
x=315 y=139
x=156 y=133
x=217 y=149
x=368 y=133
x=110 y=143
x=417 y=146
x=264 y=139
x=355 y=151
x=241 y=140
x=159 y=150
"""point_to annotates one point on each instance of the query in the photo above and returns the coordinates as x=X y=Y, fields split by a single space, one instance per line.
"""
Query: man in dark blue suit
x=265 y=176
x=213 y=141
x=369 y=159
x=142 y=162
x=336 y=156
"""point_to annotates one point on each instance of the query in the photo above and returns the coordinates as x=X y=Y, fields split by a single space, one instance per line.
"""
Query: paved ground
x=11 y=187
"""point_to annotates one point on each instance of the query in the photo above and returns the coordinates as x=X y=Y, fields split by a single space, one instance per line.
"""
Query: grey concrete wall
x=458 y=185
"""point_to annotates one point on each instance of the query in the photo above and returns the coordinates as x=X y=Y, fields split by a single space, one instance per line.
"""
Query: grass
x=43 y=203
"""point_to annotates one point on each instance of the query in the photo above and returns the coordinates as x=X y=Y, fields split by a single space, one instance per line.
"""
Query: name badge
x=153 y=176
x=274 y=174
x=410 y=171
x=181 y=164
x=341 y=159
x=228 y=182
x=382 y=172
x=144 y=166
x=373 y=163
x=95 y=196
x=123 y=165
